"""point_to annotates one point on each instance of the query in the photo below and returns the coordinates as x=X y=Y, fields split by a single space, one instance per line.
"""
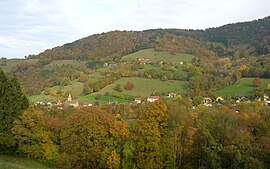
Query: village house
x=172 y=95
x=87 y=104
x=44 y=103
x=112 y=102
x=59 y=105
x=219 y=99
x=240 y=99
x=207 y=101
x=138 y=100
x=265 y=97
x=152 y=98
x=266 y=100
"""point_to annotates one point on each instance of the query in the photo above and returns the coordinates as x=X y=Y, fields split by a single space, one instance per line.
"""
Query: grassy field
x=144 y=87
x=75 y=89
x=35 y=98
x=155 y=56
x=64 y=62
x=8 y=65
x=242 y=87
x=43 y=97
x=11 y=162
x=102 y=100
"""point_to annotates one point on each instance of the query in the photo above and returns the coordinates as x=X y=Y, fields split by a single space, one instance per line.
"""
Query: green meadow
x=144 y=87
x=155 y=56
x=242 y=87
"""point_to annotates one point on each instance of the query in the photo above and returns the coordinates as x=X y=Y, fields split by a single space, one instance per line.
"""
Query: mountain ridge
x=254 y=34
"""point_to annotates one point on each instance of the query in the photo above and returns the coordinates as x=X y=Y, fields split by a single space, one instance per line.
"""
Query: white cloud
x=31 y=26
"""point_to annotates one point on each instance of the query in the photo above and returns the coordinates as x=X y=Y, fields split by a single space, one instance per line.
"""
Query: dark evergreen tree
x=12 y=102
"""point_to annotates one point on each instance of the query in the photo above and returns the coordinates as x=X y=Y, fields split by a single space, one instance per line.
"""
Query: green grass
x=102 y=100
x=8 y=65
x=144 y=87
x=35 y=98
x=43 y=97
x=75 y=88
x=64 y=62
x=11 y=162
x=155 y=56
x=242 y=87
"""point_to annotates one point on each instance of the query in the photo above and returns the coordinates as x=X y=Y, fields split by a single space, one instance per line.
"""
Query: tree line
x=152 y=135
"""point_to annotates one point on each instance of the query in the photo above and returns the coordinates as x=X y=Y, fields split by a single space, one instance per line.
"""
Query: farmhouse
x=220 y=99
x=240 y=99
x=207 y=101
x=87 y=104
x=112 y=102
x=138 y=100
x=265 y=97
x=152 y=98
x=44 y=103
x=266 y=100
x=172 y=95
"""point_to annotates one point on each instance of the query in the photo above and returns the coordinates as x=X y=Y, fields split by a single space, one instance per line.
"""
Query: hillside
x=205 y=61
x=254 y=35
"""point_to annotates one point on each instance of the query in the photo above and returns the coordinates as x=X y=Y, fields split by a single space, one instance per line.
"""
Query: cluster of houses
x=144 y=60
x=151 y=99
x=144 y=100
x=207 y=101
x=59 y=105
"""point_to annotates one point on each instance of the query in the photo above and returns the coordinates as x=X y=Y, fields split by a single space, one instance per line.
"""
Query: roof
x=153 y=97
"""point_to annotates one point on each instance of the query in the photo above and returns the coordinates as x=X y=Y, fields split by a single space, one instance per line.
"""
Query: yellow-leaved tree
x=32 y=137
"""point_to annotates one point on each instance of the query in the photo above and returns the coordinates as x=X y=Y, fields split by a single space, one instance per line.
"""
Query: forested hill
x=101 y=45
x=253 y=35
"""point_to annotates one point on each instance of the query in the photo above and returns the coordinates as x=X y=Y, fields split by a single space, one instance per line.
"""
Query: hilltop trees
x=12 y=103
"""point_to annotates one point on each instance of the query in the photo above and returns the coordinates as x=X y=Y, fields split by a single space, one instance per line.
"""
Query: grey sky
x=32 y=26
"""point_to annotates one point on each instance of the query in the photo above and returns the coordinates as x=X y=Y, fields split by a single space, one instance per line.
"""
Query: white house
x=152 y=98
x=137 y=100
x=172 y=95
x=207 y=101
x=87 y=105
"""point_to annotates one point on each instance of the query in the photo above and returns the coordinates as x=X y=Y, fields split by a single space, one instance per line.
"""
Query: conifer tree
x=12 y=102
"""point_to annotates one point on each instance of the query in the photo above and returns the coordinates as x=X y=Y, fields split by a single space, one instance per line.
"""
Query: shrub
x=118 y=88
x=256 y=82
x=98 y=96
x=129 y=86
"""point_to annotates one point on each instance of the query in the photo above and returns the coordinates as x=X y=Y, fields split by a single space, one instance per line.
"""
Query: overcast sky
x=32 y=26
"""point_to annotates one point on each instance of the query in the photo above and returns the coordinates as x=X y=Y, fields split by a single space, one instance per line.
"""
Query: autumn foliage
x=129 y=86
x=256 y=82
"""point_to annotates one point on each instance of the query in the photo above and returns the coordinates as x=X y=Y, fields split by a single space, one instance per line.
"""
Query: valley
x=159 y=98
